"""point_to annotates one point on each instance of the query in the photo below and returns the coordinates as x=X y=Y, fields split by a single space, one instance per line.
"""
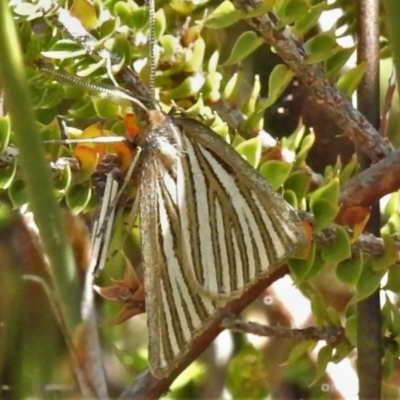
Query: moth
x=211 y=226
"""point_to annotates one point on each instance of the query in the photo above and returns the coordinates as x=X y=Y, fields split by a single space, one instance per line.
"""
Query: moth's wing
x=175 y=313
x=237 y=226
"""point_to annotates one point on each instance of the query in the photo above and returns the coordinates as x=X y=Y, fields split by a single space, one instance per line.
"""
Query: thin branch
x=369 y=319
x=335 y=103
x=329 y=334
x=367 y=187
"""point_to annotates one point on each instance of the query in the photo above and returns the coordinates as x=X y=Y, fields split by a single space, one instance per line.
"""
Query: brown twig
x=369 y=186
x=335 y=103
x=330 y=334
x=369 y=318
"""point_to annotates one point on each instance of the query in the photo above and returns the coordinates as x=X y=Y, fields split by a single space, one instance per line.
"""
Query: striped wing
x=236 y=227
x=210 y=227
x=175 y=314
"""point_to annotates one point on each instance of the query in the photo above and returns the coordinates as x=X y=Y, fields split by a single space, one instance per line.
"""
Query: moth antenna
x=151 y=42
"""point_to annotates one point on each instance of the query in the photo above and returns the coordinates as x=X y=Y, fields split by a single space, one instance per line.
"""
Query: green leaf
x=211 y=87
x=307 y=21
x=124 y=10
x=78 y=197
x=340 y=249
x=321 y=47
x=390 y=317
x=85 y=12
x=395 y=319
x=186 y=7
x=324 y=213
x=63 y=182
x=107 y=30
x=389 y=257
x=189 y=87
x=368 y=282
x=233 y=85
x=349 y=271
x=306 y=145
x=290 y=10
x=350 y=80
x=64 y=49
x=118 y=45
x=169 y=44
x=317 y=266
x=160 y=24
x=275 y=172
x=53 y=95
x=333 y=316
x=249 y=104
x=18 y=193
x=323 y=204
x=105 y=109
x=5 y=133
x=298 y=182
x=325 y=355
x=246 y=44
x=7 y=174
x=195 y=62
x=246 y=375
x=291 y=198
x=251 y=150
x=279 y=80
x=335 y=63
x=51 y=132
x=351 y=330
x=388 y=363
x=293 y=141
x=342 y=350
x=393 y=281
x=348 y=170
x=253 y=122
x=89 y=69
x=392 y=206
x=300 y=350
x=139 y=19
x=223 y=16
x=318 y=306
x=300 y=268
x=329 y=192
x=194 y=372
x=83 y=109
x=25 y=8
x=262 y=8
